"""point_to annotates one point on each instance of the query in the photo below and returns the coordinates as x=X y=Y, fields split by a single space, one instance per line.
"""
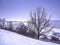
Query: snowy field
x=11 y=38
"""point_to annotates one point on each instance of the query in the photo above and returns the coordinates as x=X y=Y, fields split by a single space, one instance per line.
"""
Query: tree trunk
x=38 y=36
x=38 y=33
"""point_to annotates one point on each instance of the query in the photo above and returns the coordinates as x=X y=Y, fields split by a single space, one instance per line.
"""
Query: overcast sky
x=19 y=9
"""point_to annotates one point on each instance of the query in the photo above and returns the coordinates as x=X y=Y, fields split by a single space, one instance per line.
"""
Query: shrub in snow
x=32 y=34
x=21 y=28
x=54 y=38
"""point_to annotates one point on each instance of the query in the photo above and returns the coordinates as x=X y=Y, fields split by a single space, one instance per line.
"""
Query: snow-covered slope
x=10 y=38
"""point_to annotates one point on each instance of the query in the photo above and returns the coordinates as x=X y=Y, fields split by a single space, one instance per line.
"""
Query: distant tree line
x=21 y=28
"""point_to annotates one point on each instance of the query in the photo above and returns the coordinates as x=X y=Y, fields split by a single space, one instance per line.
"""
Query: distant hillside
x=56 y=23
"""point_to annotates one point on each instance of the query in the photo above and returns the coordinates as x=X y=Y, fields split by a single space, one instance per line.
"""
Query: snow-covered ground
x=54 y=30
x=11 y=38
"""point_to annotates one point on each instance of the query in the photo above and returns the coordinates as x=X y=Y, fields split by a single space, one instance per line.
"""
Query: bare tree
x=39 y=22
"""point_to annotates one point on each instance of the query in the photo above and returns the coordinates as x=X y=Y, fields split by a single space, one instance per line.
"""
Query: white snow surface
x=11 y=38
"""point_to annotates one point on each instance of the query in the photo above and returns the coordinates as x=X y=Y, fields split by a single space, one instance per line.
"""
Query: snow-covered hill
x=10 y=38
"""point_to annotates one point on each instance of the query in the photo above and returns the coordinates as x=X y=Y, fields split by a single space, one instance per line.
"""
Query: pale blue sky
x=19 y=9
